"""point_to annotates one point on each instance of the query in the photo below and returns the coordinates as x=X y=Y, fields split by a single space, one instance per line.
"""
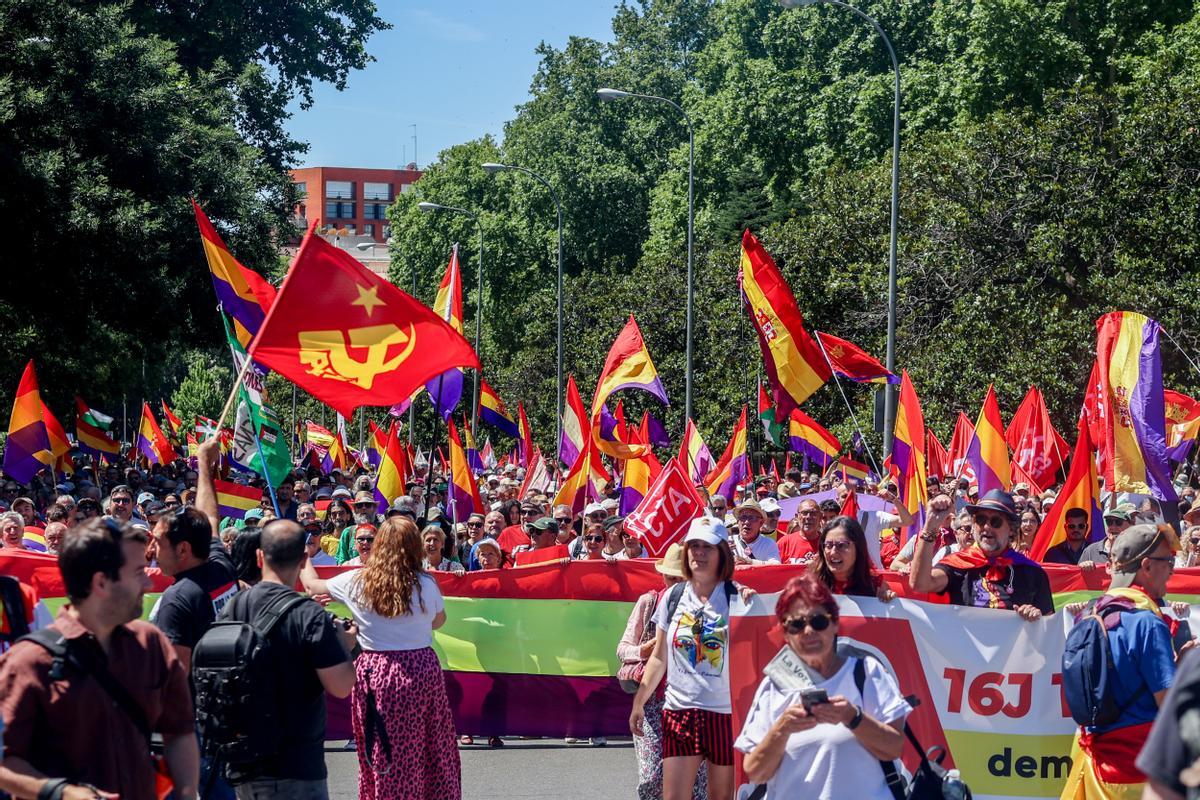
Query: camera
x=339 y=622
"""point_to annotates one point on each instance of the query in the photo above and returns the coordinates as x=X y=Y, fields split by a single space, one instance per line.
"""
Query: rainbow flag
x=1130 y=372
x=908 y=452
x=27 y=450
x=234 y=499
x=462 y=492
x=91 y=431
x=445 y=390
x=988 y=452
x=852 y=362
x=794 y=363
x=628 y=366
x=493 y=411
x=806 y=436
x=1081 y=490
x=393 y=470
x=151 y=440
x=242 y=293
x=576 y=426
x=694 y=454
x=734 y=465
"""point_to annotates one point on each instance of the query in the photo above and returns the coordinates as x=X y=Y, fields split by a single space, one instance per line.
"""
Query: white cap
x=707 y=529
x=610 y=505
x=593 y=508
x=769 y=505
x=489 y=542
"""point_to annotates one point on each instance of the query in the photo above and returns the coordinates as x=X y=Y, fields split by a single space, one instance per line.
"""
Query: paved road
x=522 y=770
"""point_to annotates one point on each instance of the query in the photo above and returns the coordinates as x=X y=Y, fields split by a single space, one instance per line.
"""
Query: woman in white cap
x=634 y=650
x=691 y=648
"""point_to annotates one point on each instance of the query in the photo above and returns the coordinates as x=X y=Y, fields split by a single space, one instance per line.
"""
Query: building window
x=387 y=231
x=377 y=191
x=374 y=210
x=368 y=229
x=339 y=211
x=302 y=189
x=339 y=190
x=405 y=187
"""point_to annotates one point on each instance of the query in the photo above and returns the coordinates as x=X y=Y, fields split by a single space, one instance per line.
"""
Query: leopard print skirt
x=410 y=694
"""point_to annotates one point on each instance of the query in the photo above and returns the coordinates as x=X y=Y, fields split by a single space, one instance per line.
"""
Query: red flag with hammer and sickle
x=348 y=337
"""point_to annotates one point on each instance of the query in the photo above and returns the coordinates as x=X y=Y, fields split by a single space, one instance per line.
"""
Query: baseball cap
x=706 y=529
x=612 y=522
x=144 y=497
x=253 y=513
x=593 y=508
x=543 y=524
x=1133 y=545
x=1119 y=514
x=770 y=506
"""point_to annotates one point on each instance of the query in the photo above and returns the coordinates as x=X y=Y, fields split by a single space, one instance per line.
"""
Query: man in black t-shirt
x=313 y=656
x=989 y=574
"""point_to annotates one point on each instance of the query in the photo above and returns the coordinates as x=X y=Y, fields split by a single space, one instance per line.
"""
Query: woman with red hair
x=825 y=741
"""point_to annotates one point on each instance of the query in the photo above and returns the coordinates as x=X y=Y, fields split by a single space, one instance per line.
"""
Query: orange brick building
x=350 y=199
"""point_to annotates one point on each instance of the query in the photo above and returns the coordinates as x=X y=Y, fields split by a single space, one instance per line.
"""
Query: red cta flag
x=663 y=516
x=1037 y=447
x=350 y=338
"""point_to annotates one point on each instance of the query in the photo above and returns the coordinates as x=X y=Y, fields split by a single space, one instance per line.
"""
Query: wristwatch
x=927 y=537
x=857 y=719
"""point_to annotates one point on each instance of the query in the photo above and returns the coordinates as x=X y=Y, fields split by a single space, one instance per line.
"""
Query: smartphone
x=813 y=697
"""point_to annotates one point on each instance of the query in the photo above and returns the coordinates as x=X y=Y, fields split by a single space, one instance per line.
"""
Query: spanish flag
x=243 y=293
x=733 y=466
x=794 y=363
x=27 y=450
x=151 y=441
x=988 y=452
x=628 y=366
x=462 y=493
x=493 y=411
x=322 y=333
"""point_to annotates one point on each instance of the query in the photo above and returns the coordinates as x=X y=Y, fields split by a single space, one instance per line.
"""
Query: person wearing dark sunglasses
x=825 y=741
x=1078 y=530
x=989 y=574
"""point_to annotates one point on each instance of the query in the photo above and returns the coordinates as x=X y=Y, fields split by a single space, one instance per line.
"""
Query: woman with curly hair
x=399 y=710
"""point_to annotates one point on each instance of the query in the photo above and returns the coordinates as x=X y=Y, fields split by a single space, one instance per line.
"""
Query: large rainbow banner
x=532 y=652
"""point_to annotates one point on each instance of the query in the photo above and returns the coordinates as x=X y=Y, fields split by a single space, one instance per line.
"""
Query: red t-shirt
x=795 y=548
x=543 y=554
x=511 y=537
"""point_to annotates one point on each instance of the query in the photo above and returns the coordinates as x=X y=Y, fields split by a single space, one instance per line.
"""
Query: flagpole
x=846 y=400
x=437 y=416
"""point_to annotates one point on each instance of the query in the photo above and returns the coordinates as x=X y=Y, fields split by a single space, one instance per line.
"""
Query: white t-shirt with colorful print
x=697 y=650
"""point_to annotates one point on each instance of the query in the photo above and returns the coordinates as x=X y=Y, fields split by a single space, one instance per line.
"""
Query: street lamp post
x=493 y=168
x=608 y=96
x=889 y=405
x=429 y=208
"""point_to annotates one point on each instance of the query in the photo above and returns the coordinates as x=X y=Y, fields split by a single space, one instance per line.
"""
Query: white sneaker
x=599 y=741
x=571 y=740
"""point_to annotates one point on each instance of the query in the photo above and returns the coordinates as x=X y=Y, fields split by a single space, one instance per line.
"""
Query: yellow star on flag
x=368 y=298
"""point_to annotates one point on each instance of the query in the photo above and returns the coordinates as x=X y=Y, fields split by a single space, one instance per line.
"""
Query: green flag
x=258 y=441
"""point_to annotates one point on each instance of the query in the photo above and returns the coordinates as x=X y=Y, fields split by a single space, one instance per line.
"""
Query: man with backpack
x=272 y=747
x=79 y=700
x=1118 y=664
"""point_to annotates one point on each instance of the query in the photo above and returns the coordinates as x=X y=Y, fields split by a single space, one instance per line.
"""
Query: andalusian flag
x=794 y=363
x=773 y=430
x=91 y=431
x=259 y=444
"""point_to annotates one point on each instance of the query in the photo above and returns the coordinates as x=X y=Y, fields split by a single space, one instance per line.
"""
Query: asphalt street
x=521 y=770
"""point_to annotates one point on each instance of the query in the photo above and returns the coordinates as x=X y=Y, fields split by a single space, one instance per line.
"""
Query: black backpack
x=234 y=675
x=675 y=594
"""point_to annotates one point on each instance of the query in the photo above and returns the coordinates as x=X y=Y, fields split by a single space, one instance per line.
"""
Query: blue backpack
x=1087 y=664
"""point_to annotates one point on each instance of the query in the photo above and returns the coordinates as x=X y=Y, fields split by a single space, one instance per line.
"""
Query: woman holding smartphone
x=825 y=741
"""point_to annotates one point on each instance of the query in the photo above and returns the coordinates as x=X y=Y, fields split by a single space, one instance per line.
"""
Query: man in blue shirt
x=1141 y=561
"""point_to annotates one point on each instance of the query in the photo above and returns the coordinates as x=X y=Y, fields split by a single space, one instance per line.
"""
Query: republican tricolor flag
x=988 y=452
x=462 y=493
x=1082 y=491
x=151 y=441
x=806 y=436
x=694 y=454
x=242 y=293
x=445 y=391
x=576 y=425
x=734 y=465
x=628 y=366
x=493 y=411
x=27 y=449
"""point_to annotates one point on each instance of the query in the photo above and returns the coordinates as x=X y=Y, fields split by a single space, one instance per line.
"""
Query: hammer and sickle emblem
x=326 y=354
x=837 y=351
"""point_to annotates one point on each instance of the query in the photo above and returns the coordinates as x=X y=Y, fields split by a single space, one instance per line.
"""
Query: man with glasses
x=1070 y=549
x=749 y=545
x=1142 y=663
x=120 y=502
x=719 y=508
x=301 y=491
x=514 y=536
x=989 y=575
x=1116 y=520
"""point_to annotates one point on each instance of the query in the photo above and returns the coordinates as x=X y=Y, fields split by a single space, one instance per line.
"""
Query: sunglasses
x=121 y=500
x=474 y=524
x=1077 y=526
x=995 y=520
x=818 y=622
x=563 y=521
x=365 y=539
x=593 y=538
x=839 y=547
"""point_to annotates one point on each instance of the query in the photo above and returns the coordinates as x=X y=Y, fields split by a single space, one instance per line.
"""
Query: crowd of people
x=118 y=527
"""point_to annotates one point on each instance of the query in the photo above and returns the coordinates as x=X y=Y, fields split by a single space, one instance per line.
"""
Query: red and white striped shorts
x=697 y=732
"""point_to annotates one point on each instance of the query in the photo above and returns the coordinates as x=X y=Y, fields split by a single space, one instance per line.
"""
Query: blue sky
x=455 y=70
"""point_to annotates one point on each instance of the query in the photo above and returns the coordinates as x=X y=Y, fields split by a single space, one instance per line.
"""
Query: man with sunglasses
x=1116 y=521
x=1070 y=549
x=989 y=574
x=517 y=535
x=1142 y=658
x=749 y=545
